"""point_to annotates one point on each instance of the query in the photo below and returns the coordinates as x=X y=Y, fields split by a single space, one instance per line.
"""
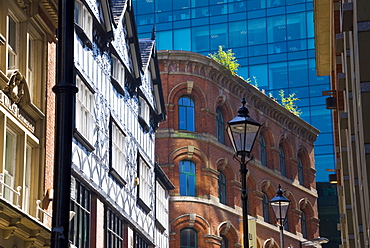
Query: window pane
x=183 y=4
x=282 y=162
x=222 y=187
x=164 y=39
x=200 y=38
x=277 y=29
x=186 y=114
x=275 y=3
x=300 y=171
x=257 y=31
x=188 y=238
x=191 y=185
x=182 y=39
x=12 y=34
x=265 y=208
x=237 y=7
x=298 y=75
x=278 y=75
x=146 y=7
x=220 y=126
x=190 y=119
x=198 y=3
x=219 y=36
x=260 y=74
x=256 y=4
x=80 y=204
x=187 y=178
x=263 y=156
x=296 y=26
x=161 y=6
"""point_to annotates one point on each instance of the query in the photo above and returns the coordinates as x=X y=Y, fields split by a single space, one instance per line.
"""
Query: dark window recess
x=79 y=233
x=114 y=230
x=140 y=242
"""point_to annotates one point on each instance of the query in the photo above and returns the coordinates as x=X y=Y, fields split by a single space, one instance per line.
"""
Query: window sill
x=83 y=141
x=82 y=35
x=119 y=180
x=160 y=227
x=142 y=204
x=144 y=125
x=117 y=86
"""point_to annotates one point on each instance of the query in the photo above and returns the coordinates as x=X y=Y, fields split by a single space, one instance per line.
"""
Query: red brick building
x=191 y=147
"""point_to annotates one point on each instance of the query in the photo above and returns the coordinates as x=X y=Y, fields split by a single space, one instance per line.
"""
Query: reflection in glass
x=164 y=40
x=200 y=39
x=188 y=238
x=257 y=31
x=182 y=39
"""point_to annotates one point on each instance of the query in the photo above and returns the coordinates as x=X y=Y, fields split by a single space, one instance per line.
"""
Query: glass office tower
x=273 y=41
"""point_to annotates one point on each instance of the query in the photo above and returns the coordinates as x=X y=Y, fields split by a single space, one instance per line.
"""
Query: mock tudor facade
x=118 y=193
x=191 y=147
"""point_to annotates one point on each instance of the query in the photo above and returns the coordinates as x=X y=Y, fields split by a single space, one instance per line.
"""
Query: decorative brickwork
x=212 y=87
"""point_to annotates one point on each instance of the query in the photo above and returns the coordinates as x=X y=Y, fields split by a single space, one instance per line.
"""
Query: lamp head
x=243 y=131
x=280 y=205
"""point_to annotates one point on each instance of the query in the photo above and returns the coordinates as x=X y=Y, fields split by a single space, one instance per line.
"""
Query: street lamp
x=242 y=131
x=280 y=205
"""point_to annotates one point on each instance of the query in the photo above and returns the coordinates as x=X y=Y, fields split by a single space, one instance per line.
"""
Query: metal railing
x=16 y=192
x=39 y=209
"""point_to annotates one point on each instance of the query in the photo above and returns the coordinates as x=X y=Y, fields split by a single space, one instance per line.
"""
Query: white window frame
x=145 y=182
x=84 y=110
x=30 y=63
x=84 y=18
x=26 y=189
x=144 y=110
x=35 y=58
x=10 y=164
x=118 y=71
x=12 y=53
x=161 y=204
x=35 y=64
x=119 y=151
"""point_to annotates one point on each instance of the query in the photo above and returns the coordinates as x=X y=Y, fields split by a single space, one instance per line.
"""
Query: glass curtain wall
x=273 y=41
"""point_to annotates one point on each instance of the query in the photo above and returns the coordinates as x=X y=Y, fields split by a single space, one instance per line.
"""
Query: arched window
x=265 y=208
x=263 y=155
x=186 y=114
x=224 y=242
x=187 y=178
x=222 y=187
x=303 y=224
x=300 y=172
x=220 y=128
x=188 y=238
x=282 y=161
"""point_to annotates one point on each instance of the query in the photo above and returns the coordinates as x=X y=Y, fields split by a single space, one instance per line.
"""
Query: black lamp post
x=280 y=205
x=242 y=131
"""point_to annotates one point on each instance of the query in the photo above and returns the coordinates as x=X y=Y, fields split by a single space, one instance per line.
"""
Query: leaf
x=227 y=59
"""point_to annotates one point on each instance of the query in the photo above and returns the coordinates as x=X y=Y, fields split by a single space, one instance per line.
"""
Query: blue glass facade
x=273 y=41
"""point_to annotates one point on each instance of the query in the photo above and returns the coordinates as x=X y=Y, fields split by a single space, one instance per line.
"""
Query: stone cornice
x=189 y=63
